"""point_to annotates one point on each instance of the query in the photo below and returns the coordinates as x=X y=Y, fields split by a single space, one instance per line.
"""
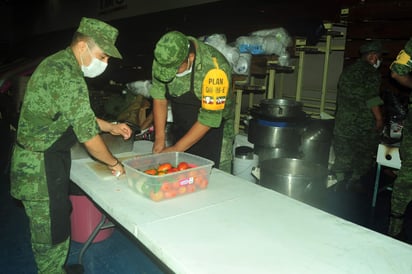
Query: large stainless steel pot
x=265 y=152
x=316 y=141
x=273 y=134
x=296 y=178
x=280 y=108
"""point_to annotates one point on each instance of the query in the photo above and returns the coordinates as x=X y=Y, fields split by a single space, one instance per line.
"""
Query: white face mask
x=186 y=72
x=95 y=68
x=378 y=63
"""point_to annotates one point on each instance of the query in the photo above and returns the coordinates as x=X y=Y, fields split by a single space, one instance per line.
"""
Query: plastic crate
x=169 y=185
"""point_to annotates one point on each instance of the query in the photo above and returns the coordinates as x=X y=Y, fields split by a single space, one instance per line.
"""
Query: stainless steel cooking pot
x=296 y=178
x=280 y=108
x=265 y=152
x=316 y=141
x=272 y=134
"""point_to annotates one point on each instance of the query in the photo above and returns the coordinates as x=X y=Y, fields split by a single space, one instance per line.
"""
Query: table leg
x=238 y=107
x=101 y=225
x=271 y=84
x=375 y=189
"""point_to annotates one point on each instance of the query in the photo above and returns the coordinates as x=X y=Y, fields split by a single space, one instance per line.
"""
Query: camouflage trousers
x=402 y=188
x=354 y=156
x=49 y=258
x=226 y=153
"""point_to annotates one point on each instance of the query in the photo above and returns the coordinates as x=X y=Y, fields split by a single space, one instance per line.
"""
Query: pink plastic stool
x=84 y=219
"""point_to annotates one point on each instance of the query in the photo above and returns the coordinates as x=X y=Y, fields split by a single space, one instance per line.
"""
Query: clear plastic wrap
x=140 y=87
x=270 y=41
x=250 y=44
x=280 y=34
x=242 y=66
x=239 y=64
x=218 y=41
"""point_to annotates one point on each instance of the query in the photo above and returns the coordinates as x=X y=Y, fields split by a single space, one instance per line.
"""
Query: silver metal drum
x=280 y=108
x=296 y=178
x=274 y=134
x=276 y=152
x=316 y=141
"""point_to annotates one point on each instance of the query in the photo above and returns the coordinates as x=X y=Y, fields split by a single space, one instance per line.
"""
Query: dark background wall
x=388 y=20
x=139 y=34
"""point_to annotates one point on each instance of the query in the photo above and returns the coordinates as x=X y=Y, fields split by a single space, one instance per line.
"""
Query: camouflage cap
x=372 y=46
x=103 y=34
x=170 y=52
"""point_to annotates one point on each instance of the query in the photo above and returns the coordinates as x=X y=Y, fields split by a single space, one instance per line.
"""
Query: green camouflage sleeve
x=70 y=98
x=214 y=118
x=158 y=90
x=400 y=69
x=56 y=98
x=402 y=65
x=375 y=101
x=78 y=112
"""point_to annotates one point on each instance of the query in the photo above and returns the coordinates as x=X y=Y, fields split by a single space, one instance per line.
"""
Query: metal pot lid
x=281 y=102
x=257 y=113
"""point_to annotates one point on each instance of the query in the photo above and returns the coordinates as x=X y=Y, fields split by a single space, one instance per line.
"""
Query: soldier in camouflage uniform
x=402 y=189
x=358 y=120
x=56 y=112
x=196 y=79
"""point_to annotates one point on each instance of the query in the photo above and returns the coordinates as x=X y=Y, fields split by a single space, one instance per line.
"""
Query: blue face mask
x=187 y=71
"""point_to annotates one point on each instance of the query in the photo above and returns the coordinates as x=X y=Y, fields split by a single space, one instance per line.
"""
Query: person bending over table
x=196 y=79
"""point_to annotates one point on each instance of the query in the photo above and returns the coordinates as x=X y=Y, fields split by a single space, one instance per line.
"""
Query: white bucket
x=243 y=167
x=241 y=140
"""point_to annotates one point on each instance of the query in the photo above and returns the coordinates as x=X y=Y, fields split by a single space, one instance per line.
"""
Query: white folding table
x=235 y=226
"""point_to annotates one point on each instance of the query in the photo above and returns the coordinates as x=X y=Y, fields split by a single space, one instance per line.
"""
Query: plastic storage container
x=84 y=219
x=243 y=163
x=169 y=185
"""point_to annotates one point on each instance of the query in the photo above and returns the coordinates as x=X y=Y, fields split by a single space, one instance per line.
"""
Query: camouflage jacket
x=358 y=91
x=56 y=98
x=181 y=85
x=403 y=63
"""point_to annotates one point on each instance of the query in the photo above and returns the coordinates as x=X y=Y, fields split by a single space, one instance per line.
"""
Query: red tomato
x=165 y=186
x=176 y=184
x=170 y=194
x=190 y=188
x=173 y=169
x=161 y=173
x=182 y=166
x=156 y=196
x=164 y=167
x=202 y=183
x=181 y=190
x=151 y=171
